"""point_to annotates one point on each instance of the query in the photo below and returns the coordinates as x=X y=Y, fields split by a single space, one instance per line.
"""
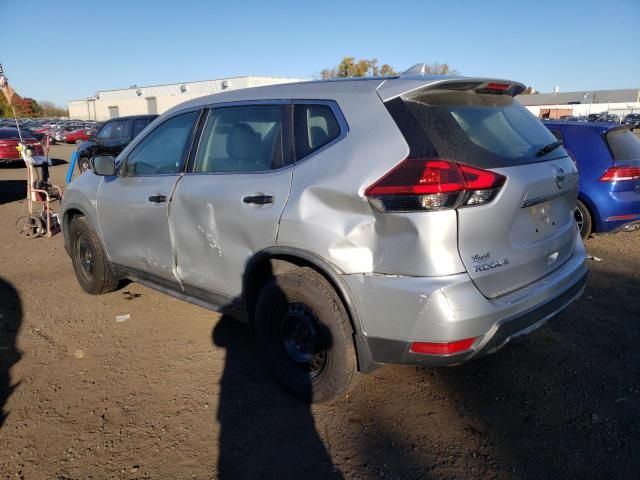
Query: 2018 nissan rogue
x=410 y=219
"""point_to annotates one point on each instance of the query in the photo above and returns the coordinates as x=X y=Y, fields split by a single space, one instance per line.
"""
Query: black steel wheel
x=92 y=269
x=305 y=335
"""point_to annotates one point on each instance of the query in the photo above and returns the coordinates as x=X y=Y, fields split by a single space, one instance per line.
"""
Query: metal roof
x=585 y=96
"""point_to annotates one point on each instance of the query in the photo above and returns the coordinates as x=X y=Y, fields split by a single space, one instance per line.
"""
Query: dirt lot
x=177 y=392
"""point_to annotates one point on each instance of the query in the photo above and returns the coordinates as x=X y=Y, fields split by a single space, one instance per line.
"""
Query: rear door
x=527 y=230
x=229 y=206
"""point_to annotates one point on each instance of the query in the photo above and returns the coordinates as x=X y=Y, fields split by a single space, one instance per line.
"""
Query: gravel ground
x=178 y=392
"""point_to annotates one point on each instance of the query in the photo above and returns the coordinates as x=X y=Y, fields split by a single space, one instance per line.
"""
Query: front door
x=133 y=207
x=229 y=206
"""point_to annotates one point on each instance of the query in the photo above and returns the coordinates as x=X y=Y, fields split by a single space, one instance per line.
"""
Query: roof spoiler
x=416 y=79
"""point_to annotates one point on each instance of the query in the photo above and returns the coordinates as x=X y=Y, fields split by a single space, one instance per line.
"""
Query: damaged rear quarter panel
x=328 y=214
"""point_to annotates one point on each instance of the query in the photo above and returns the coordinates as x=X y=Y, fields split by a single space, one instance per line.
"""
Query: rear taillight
x=426 y=185
x=617 y=174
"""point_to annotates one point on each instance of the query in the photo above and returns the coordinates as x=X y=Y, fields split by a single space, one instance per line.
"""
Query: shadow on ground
x=10 y=320
x=12 y=190
x=564 y=402
x=264 y=432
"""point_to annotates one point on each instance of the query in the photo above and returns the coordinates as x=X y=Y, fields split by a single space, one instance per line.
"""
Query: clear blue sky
x=66 y=49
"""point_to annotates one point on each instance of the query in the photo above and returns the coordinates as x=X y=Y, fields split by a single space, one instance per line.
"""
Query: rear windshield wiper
x=549 y=148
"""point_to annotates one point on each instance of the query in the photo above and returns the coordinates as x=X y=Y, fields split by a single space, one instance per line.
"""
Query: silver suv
x=412 y=219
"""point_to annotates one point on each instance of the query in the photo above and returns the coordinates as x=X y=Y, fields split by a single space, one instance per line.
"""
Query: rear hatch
x=518 y=227
x=624 y=174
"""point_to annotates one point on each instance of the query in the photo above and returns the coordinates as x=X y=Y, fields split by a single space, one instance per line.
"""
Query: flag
x=5 y=87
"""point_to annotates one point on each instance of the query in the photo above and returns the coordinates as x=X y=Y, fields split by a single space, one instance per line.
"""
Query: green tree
x=49 y=109
x=28 y=107
x=349 y=67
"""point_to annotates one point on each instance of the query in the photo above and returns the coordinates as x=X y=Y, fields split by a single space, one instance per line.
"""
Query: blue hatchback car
x=608 y=158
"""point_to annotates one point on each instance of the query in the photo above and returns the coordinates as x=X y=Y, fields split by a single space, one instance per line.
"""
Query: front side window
x=120 y=131
x=314 y=127
x=242 y=139
x=105 y=132
x=163 y=150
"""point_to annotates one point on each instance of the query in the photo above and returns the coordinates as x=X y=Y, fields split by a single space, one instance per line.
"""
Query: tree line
x=29 y=108
x=350 y=67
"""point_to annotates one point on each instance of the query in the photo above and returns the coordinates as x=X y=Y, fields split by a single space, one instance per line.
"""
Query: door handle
x=258 y=199
x=157 y=198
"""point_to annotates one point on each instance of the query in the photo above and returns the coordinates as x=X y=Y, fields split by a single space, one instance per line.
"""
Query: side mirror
x=104 y=165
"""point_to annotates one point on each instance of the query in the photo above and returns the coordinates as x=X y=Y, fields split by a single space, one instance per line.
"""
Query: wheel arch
x=276 y=260
x=593 y=211
x=68 y=215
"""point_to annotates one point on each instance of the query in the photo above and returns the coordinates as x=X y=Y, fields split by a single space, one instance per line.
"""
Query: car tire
x=583 y=219
x=90 y=263
x=304 y=333
x=83 y=164
x=79 y=141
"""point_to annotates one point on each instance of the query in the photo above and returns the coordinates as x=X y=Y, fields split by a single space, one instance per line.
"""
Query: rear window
x=11 y=134
x=8 y=134
x=624 y=144
x=485 y=130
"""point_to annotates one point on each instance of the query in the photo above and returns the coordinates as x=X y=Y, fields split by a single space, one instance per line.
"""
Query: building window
x=114 y=112
x=152 y=106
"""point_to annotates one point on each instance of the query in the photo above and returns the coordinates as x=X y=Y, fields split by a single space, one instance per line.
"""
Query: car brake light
x=500 y=87
x=442 y=348
x=616 y=174
x=433 y=184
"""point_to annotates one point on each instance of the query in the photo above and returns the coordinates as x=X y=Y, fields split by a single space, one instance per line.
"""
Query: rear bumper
x=375 y=351
x=393 y=315
x=618 y=209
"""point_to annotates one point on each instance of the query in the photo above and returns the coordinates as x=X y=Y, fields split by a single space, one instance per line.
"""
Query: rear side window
x=242 y=139
x=139 y=125
x=624 y=144
x=314 y=127
x=485 y=130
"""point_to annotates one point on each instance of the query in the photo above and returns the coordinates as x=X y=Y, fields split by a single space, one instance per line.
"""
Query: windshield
x=485 y=130
x=624 y=144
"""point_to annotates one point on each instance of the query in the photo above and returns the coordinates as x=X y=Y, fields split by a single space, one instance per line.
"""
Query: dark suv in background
x=112 y=137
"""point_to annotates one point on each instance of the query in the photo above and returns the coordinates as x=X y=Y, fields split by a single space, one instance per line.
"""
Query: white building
x=557 y=104
x=136 y=100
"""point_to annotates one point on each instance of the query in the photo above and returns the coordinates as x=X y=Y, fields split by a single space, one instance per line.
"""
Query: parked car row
x=57 y=130
x=632 y=119
x=9 y=140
